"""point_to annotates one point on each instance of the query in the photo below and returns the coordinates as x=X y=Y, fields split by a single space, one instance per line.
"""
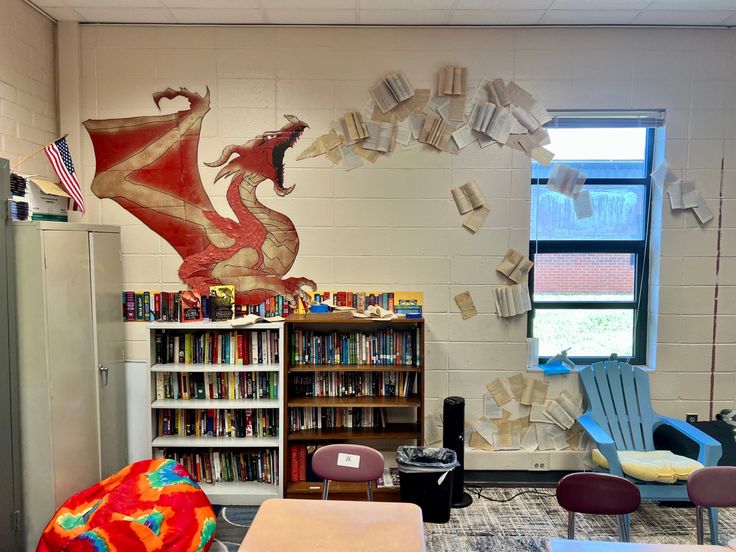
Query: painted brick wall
x=28 y=115
x=393 y=225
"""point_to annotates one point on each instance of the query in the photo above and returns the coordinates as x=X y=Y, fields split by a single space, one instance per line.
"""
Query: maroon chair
x=712 y=487
x=347 y=463
x=598 y=493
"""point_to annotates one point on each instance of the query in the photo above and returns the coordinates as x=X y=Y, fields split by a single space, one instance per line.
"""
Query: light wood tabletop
x=562 y=545
x=335 y=525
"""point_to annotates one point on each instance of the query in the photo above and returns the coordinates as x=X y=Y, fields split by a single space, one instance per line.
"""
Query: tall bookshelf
x=404 y=414
x=238 y=449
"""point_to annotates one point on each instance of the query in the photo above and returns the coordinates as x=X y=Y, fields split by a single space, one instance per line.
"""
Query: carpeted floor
x=522 y=524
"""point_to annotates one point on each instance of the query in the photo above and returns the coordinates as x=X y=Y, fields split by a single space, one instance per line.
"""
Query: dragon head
x=263 y=155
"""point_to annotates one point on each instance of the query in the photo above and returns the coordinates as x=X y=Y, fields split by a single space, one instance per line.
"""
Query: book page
x=350 y=159
x=497 y=93
x=357 y=129
x=476 y=219
x=461 y=200
x=491 y=410
x=403 y=134
x=478 y=442
x=321 y=145
x=689 y=194
x=575 y=437
x=486 y=428
x=663 y=176
x=536 y=414
x=473 y=193
x=506 y=438
x=500 y=126
x=532 y=352
x=543 y=156
x=571 y=407
x=529 y=440
x=566 y=180
x=517 y=95
x=535 y=392
x=703 y=210
x=464 y=136
x=515 y=265
x=465 y=303
x=369 y=155
x=526 y=119
x=558 y=415
x=334 y=155
x=380 y=136
x=382 y=94
x=457 y=109
x=516 y=384
x=498 y=392
x=415 y=104
x=583 y=205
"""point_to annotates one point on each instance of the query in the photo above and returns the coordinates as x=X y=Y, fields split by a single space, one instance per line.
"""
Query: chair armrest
x=710 y=449
x=604 y=442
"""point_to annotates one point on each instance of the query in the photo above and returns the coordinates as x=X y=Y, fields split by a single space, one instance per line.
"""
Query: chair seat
x=660 y=466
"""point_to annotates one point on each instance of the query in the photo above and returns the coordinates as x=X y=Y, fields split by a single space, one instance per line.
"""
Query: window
x=590 y=278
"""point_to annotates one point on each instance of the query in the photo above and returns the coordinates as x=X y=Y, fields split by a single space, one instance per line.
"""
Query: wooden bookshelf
x=405 y=415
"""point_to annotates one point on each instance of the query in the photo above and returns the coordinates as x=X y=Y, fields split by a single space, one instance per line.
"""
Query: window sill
x=539 y=369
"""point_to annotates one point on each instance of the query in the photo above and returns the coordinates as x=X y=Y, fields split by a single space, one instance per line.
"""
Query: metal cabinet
x=70 y=363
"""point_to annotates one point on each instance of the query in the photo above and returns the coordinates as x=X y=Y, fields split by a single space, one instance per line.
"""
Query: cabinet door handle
x=103 y=373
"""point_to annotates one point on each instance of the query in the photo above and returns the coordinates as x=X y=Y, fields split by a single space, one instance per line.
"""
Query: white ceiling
x=386 y=12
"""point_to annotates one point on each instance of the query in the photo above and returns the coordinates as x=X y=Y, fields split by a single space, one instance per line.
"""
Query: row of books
x=226 y=465
x=300 y=463
x=303 y=418
x=217 y=385
x=352 y=384
x=218 y=347
x=191 y=306
x=400 y=302
x=380 y=347
x=218 y=422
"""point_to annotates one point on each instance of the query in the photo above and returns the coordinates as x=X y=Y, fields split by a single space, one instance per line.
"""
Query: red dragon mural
x=148 y=165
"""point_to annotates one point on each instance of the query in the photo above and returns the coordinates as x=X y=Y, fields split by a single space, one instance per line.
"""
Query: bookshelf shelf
x=214 y=442
x=390 y=432
x=402 y=417
x=206 y=368
x=215 y=403
x=354 y=368
x=361 y=402
x=268 y=338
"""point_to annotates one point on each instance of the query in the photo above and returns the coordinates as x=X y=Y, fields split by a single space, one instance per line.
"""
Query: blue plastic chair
x=620 y=417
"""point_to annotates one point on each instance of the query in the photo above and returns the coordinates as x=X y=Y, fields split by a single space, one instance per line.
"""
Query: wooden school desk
x=335 y=525
x=561 y=545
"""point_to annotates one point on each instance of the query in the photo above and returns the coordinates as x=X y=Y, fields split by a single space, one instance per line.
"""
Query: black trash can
x=425 y=478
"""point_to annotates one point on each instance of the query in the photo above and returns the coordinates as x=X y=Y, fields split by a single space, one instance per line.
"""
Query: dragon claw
x=295 y=289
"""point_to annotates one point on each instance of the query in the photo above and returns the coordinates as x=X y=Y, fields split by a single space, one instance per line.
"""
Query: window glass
x=619 y=213
x=565 y=277
x=587 y=332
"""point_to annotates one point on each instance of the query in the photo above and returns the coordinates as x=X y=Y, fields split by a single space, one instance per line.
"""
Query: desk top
x=561 y=545
x=335 y=525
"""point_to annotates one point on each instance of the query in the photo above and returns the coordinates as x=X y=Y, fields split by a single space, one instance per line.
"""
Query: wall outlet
x=691 y=418
x=539 y=461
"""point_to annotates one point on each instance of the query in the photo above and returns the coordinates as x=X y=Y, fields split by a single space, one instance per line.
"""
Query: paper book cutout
x=381 y=136
x=515 y=265
x=451 y=80
x=566 y=180
x=322 y=145
x=391 y=91
x=475 y=220
x=465 y=303
x=468 y=197
x=498 y=391
x=357 y=129
x=583 y=205
x=512 y=300
x=497 y=93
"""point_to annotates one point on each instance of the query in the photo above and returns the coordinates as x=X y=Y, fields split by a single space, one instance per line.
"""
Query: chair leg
x=713 y=521
x=571 y=525
x=623 y=528
x=325 y=489
x=370 y=492
x=699 y=523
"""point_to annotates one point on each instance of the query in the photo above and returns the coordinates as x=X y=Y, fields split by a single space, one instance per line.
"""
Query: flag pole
x=39 y=150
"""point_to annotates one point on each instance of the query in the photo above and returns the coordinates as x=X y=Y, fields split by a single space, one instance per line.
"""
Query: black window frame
x=640 y=248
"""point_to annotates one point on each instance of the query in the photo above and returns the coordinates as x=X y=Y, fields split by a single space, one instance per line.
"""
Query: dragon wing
x=148 y=165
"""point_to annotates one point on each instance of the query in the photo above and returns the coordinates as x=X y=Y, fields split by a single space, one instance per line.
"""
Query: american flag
x=61 y=162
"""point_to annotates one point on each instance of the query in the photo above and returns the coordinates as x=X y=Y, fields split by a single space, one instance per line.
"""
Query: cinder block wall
x=28 y=115
x=393 y=225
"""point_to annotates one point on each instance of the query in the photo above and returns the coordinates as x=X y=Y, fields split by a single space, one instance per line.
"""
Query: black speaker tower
x=453 y=437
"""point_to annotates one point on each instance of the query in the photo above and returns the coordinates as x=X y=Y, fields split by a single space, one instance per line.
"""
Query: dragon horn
x=226 y=153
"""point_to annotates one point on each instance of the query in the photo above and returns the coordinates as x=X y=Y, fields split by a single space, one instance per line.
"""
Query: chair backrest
x=618 y=400
x=347 y=463
x=713 y=487
x=597 y=493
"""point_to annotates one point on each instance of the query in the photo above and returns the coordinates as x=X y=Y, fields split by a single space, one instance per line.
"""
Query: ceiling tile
x=311 y=17
x=119 y=4
x=303 y=6
x=63 y=14
x=709 y=5
x=503 y=4
x=681 y=17
x=404 y=17
x=126 y=15
x=217 y=15
x=197 y=4
x=596 y=4
x=405 y=4
x=496 y=17
x=730 y=21
x=588 y=17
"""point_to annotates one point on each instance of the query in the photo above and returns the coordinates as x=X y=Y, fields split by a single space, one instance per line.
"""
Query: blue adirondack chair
x=620 y=417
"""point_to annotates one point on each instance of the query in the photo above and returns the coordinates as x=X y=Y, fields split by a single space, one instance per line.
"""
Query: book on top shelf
x=191 y=306
x=222 y=303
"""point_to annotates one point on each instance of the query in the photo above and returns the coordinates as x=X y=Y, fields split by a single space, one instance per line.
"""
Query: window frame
x=640 y=248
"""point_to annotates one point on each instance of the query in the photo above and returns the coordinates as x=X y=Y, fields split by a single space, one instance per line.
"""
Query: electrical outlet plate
x=539 y=461
x=691 y=418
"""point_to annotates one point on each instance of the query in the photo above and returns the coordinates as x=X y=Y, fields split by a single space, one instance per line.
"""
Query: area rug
x=499 y=523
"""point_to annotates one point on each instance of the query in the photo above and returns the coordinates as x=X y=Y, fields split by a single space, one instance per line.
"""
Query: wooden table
x=561 y=545
x=335 y=526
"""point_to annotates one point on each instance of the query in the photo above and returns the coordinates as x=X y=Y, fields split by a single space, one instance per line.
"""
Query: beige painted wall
x=393 y=225
x=28 y=115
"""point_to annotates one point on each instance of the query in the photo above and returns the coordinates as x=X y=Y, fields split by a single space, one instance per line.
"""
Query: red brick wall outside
x=574 y=273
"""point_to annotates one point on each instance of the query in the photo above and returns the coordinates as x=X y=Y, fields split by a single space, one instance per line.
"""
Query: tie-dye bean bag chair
x=149 y=506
